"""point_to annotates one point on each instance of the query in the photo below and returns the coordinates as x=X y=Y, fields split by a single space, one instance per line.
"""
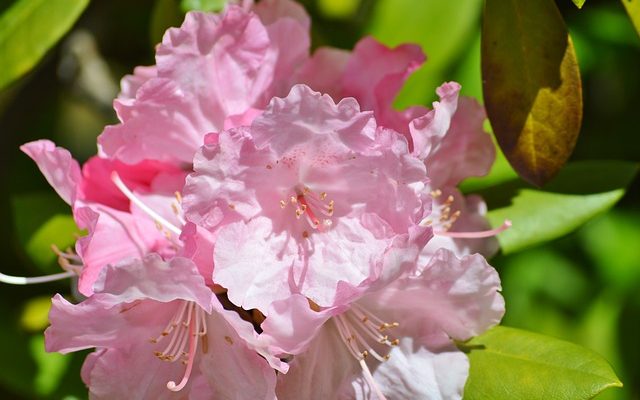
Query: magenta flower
x=160 y=333
x=393 y=342
x=312 y=194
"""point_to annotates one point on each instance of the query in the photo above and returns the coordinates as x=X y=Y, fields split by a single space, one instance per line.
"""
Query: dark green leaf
x=581 y=191
x=531 y=85
x=509 y=363
x=28 y=29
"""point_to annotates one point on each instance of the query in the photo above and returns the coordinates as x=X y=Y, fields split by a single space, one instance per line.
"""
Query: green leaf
x=633 y=9
x=202 y=5
x=578 y=3
x=42 y=219
x=581 y=191
x=51 y=367
x=426 y=22
x=28 y=29
x=531 y=85
x=509 y=363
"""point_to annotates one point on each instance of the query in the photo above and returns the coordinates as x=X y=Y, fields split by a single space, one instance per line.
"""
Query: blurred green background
x=584 y=287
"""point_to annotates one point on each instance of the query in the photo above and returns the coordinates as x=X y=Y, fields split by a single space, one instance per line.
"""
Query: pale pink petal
x=254 y=270
x=414 y=372
x=466 y=149
x=58 y=167
x=164 y=123
x=324 y=70
x=324 y=371
x=232 y=368
x=130 y=84
x=428 y=131
x=291 y=324
x=135 y=373
x=113 y=236
x=451 y=298
x=198 y=246
x=221 y=60
x=155 y=279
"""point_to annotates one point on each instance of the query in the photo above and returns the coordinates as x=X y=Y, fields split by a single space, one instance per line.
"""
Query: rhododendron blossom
x=292 y=203
x=262 y=222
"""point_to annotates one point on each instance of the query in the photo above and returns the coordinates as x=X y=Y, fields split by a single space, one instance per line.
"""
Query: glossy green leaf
x=633 y=9
x=531 y=85
x=338 y=9
x=581 y=191
x=509 y=363
x=202 y=5
x=426 y=22
x=578 y=3
x=28 y=29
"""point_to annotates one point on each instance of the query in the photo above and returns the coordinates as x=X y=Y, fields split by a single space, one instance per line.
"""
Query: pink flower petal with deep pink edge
x=373 y=74
x=113 y=236
x=427 y=131
x=58 y=167
x=466 y=149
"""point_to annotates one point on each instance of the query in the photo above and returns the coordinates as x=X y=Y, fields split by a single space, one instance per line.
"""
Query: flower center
x=363 y=333
x=182 y=332
x=312 y=206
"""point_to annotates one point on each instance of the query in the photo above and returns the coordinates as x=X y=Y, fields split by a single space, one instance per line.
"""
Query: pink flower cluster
x=249 y=237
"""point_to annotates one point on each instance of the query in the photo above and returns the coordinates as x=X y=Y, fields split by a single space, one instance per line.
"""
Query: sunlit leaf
x=612 y=243
x=50 y=366
x=531 y=85
x=35 y=316
x=338 y=8
x=633 y=9
x=579 y=3
x=581 y=191
x=509 y=363
x=28 y=29
x=442 y=28
x=202 y=5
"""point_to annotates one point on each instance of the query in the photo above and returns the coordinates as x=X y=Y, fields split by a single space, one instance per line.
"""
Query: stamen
x=186 y=327
x=372 y=383
x=23 y=280
x=132 y=197
x=476 y=235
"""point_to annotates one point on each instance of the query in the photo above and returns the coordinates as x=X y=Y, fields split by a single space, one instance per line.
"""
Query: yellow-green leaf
x=578 y=3
x=633 y=9
x=509 y=363
x=28 y=29
x=531 y=85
